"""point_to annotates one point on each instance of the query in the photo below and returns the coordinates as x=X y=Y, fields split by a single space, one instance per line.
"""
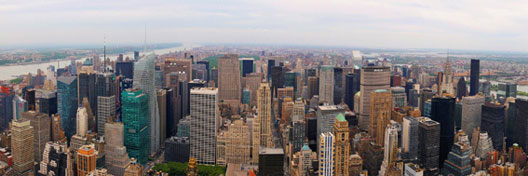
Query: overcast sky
x=453 y=24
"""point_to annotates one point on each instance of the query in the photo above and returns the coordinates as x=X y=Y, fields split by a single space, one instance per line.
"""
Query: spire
x=104 y=54
x=145 y=44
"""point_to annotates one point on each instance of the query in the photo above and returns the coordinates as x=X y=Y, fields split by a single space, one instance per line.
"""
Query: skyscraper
x=341 y=133
x=425 y=94
x=458 y=160
x=135 y=111
x=313 y=87
x=471 y=112
x=429 y=145
x=447 y=81
x=86 y=87
x=461 y=88
x=326 y=117
x=125 y=69
x=372 y=78
x=106 y=110
x=474 y=77
x=161 y=97
x=56 y=162
x=338 y=87
x=399 y=98
x=390 y=147
x=229 y=88
x=271 y=63
x=326 y=84
x=380 y=106
x=204 y=113
x=350 y=90
x=264 y=117
x=443 y=111
x=41 y=131
x=67 y=103
x=247 y=66
x=6 y=106
x=521 y=122
x=237 y=144
x=116 y=157
x=22 y=147
x=326 y=154
x=86 y=159
x=277 y=78
x=493 y=116
x=144 y=80
x=409 y=138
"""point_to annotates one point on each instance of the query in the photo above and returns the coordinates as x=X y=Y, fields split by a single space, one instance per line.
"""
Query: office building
x=183 y=66
x=409 y=138
x=341 y=134
x=399 y=98
x=338 y=85
x=135 y=113
x=293 y=79
x=264 y=117
x=297 y=134
x=229 y=87
x=237 y=143
x=86 y=79
x=207 y=68
x=161 y=97
x=271 y=64
x=521 y=122
x=446 y=85
x=350 y=89
x=86 y=159
x=55 y=160
x=134 y=169
x=22 y=147
x=493 y=116
x=247 y=66
x=474 y=77
x=80 y=138
x=144 y=80
x=204 y=113
x=326 y=116
x=425 y=94
x=510 y=121
x=271 y=161
x=429 y=145
x=6 y=106
x=19 y=105
x=443 y=111
x=125 y=69
x=372 y=78
x=67 y=103
x=326 y=154
x=277 y=78
x=390 y=148
x=380 y=106
x=411 y=169
x=471 y=112
x=41 y=131
x=46 y=101
x=116 y=156
x=326 y=84
x=106 y=110
x=177 y=149
x=458 y=160
x=313 y=87
x=483 y=146
x=461 y=89
x=507 y=90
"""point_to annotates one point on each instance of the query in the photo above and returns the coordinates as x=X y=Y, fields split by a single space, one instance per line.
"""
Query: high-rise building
x=46 y=101
x=446 y=86
x=326 y=154
x=161 y=97
x=55 y=160
x=208 y=69
x=510 y=121
x=399 y=98
x=425 y=94
x=326 y=84
x=443 y=111
x=521 y=122
x=264 y=117
x=177 y=149
x=252 y=82
x=341 y=133
x=429 y=145
x=409 y=138
x=277 y=78
x=229 y=88
x=372 y=78
x=350 y=89
x=458 y=160
x=125 y=69
x=41 y=131
x=313 y=86
x=86 y=159
x=411 y=169
x=106 y=110
x=271 y=64
x=338 y=85
x=80 y=138
x=6 y=105
x=271 y=161
x=390 y=147
x=135 y=113
x=204 y=114
x=326 y=116
x=86 y=87
x=67 y=103
x=183 y=66
x=19 y=105
x=474 y=77
x=144 y=80
x=116 y=156
x=461 y=89
x=471 y=112
x=247 y=65
x=293 y=79
x=22 y=147
x=380 y=106
x=493 y=116
x=237 y=144
x=507 y=90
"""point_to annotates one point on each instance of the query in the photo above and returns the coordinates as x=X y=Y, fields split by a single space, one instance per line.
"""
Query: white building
x=326 y=154
x=204 y=113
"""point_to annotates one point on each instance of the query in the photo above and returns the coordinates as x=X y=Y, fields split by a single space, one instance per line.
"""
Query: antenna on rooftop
x=145 y=44
x=104 y=54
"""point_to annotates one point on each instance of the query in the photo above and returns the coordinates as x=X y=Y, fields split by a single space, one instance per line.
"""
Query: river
x=8 y=72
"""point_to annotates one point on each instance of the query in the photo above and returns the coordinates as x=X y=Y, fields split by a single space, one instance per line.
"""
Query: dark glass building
x=67 y=103
x=428 y=145
x=510 y=123
x=520 y=130
x=443 y=111
x=125 y=69
x=271 y=161
x=338 y=85
x=271 y=64
x=247 y=66
x=277 y=79
x=474 y=77
x=349 y=90
x=461 y=88
x=177 y=149
x=458 y=161
x=6 y=107
x=47 y=101
x=493 y=116
x=425 y=94
x=87 y=89
x=206 y=63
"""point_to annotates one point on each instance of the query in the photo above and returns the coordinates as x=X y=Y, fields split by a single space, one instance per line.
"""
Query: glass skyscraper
x=135 y=114
x=67 y=103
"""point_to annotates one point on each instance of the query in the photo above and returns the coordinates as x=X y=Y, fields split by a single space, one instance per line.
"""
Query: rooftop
x=340 y=117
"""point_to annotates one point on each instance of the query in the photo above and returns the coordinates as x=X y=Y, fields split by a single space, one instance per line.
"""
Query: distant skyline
x=467 y=25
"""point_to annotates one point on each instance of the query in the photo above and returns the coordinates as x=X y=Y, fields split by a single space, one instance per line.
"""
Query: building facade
x=204 y=114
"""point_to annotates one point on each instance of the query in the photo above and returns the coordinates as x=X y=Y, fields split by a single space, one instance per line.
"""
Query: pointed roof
x=340 y=117
x=305 y=147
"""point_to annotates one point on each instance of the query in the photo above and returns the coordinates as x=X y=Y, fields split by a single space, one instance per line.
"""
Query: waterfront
x=8 y=72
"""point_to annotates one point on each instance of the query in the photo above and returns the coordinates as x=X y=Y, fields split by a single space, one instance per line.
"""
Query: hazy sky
x=454 y=24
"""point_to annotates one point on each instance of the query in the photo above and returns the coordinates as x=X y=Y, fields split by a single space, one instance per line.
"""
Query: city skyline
x=382 y=24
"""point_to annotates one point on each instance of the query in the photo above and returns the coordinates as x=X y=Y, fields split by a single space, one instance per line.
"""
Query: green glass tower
x=135 y=115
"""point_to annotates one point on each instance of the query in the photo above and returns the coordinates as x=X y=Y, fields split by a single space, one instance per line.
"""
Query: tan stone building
x=342 y=145
x=22 y=143
x=380 y=106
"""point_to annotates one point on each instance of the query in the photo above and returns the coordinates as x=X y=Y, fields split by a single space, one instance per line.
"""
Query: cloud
x=462 y=24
